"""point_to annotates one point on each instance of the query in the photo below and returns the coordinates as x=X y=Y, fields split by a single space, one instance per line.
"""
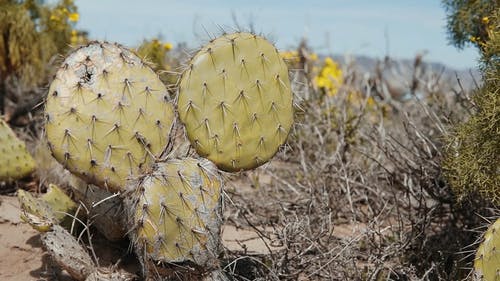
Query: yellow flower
x=74 y=17
x=313 y=57
x=330 y=77
x=329 y=61
x=472 y=39
x=486 y=20
x=288 y=54
x=167 y=46
x=54 y=17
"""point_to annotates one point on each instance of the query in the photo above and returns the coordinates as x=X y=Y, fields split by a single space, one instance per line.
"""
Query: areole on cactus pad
x=235 y=100
x=108 y=115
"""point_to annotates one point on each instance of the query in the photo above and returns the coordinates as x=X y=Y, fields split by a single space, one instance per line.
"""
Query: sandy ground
x=23 y=258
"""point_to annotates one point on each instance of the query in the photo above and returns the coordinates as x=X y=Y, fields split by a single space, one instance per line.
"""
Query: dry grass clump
x=359 y=194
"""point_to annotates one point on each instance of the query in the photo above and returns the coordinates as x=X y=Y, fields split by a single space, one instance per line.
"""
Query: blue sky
x=348 y=27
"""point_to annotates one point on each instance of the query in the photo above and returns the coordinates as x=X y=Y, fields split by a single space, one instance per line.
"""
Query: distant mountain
x=401 y=70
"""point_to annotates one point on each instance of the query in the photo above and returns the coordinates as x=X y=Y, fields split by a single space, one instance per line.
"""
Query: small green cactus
x=487 y=262
x=108 y=115
x=15 y=162
x=235 y=100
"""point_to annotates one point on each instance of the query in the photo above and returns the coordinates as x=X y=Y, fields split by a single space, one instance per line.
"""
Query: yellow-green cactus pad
x=60 y=203
x=15 y=161
x=176 y=213
x=108 y=117
x=36 y=212
x=487 y=262
x=51 y=208
x=235 y=101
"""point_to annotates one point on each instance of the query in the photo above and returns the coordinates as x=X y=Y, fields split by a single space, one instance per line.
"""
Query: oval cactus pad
x=235 y=101
x=107 y=115
x=177 y=212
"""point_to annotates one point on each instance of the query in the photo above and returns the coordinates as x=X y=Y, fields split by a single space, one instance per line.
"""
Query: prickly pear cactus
x=42 y=213
x=60 y=203
x=68 y=253
x=108 y=117
x=235 y=101
x=15 y=161
x=487 y=262
x=176 y=214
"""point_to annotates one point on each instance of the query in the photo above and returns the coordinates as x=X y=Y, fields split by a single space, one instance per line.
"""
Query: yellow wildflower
x=54 y=17
x=74 y=17
x=167 y=46
x=313 y=57
x=289 y=55
x=485 y=20
x=330 y=77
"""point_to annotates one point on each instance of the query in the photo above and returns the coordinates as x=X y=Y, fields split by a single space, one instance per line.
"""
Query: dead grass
x=359 y=193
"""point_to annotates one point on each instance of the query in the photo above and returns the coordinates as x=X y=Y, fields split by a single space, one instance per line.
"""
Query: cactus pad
x=42 y=213
x=68 y=253
x=107 y=115
x=176 y=213
x=487 y=262
x=235 y=101
x=15 y=162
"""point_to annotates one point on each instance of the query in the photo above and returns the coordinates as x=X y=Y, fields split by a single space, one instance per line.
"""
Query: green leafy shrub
x=472 y=158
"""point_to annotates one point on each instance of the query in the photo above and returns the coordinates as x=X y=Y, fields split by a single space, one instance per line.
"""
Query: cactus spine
x=15 y=162
x=235 y=100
